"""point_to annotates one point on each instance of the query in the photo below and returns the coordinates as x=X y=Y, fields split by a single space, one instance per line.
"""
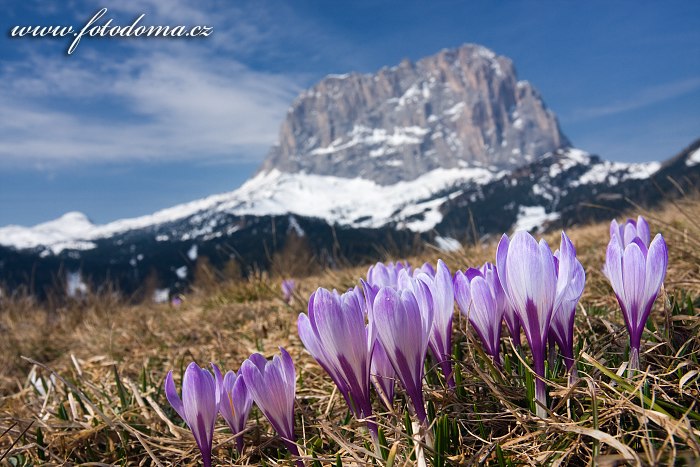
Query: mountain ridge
x=359 y=204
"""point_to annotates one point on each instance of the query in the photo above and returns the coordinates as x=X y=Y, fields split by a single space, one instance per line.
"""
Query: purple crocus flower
x=442 y=291
x=288 y=286
x=235 y=403
x=530 y=280
x=386 y=275
x=273 y=387
x=630 y=230
x=198 y=407
x=404 y=332
x=636 y=274
x=480 y=297
x=335 y=333
x=562 y=327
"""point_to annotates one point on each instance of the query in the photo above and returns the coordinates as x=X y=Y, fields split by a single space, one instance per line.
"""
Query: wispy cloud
x=646 y=97
x=149 y=99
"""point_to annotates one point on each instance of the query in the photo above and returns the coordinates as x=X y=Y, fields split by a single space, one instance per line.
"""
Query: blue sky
x=123 y=127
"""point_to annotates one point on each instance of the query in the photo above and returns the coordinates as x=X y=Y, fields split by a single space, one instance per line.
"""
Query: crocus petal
x=463 y=295
x=613 y=269
x=615 y=232
x=566 y=269
x=629 y=233
x=656 y=264
x=501 y=255
x=633 y=272
x=428 y=269
x=643 y=231
x=484 y=316
x=172 y=395
x=444 y=304
x=383 y=374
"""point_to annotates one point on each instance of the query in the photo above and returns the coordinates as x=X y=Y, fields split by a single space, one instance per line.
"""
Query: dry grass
x=89 y=389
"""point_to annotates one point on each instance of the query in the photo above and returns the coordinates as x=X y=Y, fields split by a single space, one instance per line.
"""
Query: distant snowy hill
x=435 y=151
x=415 y=205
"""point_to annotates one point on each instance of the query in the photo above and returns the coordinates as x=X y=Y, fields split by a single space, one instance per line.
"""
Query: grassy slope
x=107 y=405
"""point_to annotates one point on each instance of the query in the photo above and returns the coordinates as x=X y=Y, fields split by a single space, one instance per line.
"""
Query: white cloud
x=139 y=99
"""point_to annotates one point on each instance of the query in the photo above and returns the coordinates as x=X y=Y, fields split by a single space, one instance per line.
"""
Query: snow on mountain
x=414 y=205
x=66 y=232
x=349 y=202
x=693 y=159
x=353 y=202
x=533 y=218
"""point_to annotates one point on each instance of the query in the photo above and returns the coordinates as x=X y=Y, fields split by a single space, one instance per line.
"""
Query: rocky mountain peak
x=462 y=107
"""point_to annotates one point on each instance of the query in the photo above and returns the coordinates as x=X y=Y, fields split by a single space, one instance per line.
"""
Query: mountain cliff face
x=460 y=108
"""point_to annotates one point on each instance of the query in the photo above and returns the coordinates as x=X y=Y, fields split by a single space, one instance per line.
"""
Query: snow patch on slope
x=352 y=202
x=362 y=135
x=533 y=218
x=613 y=173
x=693 y=159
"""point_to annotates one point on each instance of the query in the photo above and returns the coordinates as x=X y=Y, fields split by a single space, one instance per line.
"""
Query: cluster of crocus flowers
x=381 y=331
x=636 y=269
x=270 y=384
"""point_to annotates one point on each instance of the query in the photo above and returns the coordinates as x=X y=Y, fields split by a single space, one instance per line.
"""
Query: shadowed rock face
x=462 y=107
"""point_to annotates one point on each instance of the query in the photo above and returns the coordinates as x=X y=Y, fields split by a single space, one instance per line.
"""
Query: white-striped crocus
x=235 y=404
x=630 y=230
x=404 y=332
x=534 y=288
x=481 y=299
x=198 y=407
x=636 y=274
x=562 y=328
x=335 y=333
x=273 y=387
